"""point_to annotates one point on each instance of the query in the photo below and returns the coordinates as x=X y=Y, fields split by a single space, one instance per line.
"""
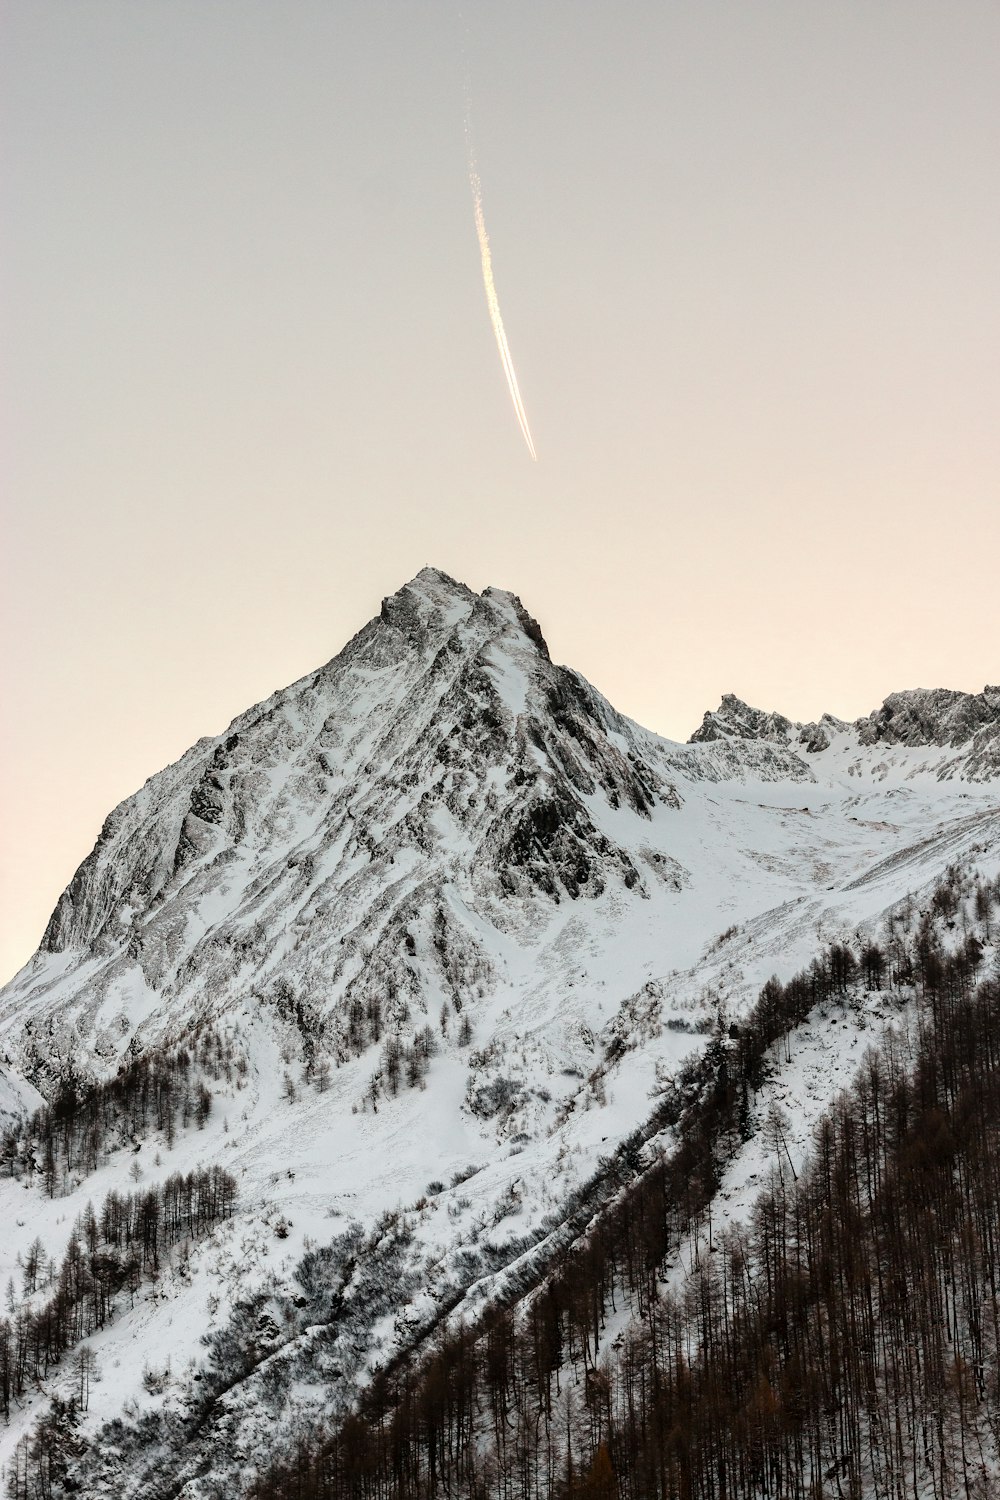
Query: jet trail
x=491 y=296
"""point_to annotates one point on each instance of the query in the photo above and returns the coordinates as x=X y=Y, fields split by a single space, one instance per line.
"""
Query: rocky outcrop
x=933 y=719
x=932 y=716
x=734 y=719
x=940 y=717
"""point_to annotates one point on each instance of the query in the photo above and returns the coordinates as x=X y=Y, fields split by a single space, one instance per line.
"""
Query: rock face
x=935 y=716
x=734 y=719
x=921 y=718
x=966 y=722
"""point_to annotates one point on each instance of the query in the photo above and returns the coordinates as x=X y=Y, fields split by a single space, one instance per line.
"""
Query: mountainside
x=432 y=930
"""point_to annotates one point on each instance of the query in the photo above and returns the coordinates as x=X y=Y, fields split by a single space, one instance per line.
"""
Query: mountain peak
x=434 y=600
x=431 y=596
x=734 y=719
x=436 y=583
x=442 y=736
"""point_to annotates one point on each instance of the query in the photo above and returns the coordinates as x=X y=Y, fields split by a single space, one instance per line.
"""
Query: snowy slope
x=442 y=829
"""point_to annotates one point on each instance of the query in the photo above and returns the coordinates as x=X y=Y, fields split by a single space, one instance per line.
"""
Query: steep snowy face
x=440 y=760
x=442 y=726
x=16 y=1098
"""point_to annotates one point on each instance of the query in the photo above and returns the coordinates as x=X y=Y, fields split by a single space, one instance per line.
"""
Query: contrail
x=491 y=292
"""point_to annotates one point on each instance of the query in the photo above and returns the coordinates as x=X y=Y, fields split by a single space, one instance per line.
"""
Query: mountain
x=432 y=930
x=968 y=724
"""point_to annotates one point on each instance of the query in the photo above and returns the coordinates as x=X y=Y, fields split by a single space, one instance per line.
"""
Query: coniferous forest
x=163 y=1090
x=842 y=1343
x=111 y=1250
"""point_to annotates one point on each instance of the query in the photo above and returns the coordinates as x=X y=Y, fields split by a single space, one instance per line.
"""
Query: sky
x=746 y=258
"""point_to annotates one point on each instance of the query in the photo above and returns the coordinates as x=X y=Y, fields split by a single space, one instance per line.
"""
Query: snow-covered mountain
x=453 y=921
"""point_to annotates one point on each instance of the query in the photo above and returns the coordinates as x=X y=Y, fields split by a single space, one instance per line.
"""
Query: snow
x=363 y=850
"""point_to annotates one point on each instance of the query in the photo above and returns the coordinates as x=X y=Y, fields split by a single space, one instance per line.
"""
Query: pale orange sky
x=746 y=257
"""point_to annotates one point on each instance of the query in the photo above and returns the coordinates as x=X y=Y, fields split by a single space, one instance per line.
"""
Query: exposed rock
x=736 y=719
